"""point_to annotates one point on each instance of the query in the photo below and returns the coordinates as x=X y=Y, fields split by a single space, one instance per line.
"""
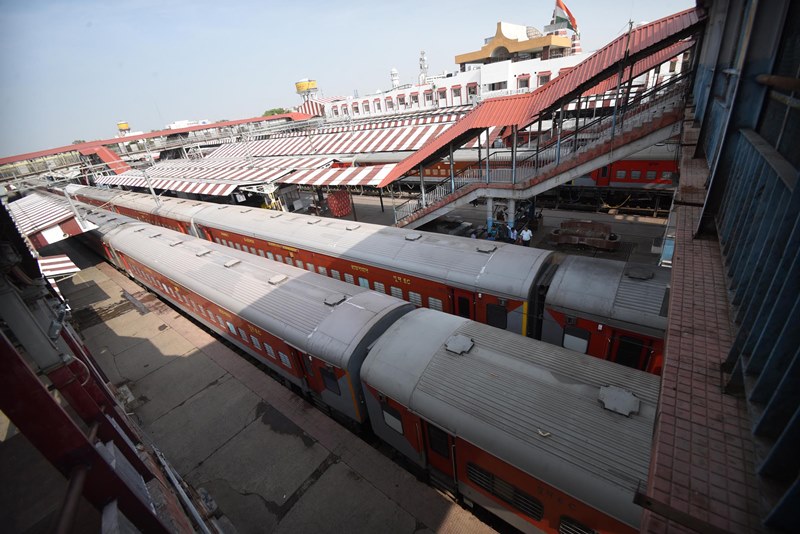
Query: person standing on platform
x=526 y=236
x=512 y=233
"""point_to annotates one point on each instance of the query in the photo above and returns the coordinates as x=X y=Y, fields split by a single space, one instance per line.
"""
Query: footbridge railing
x=561 y=151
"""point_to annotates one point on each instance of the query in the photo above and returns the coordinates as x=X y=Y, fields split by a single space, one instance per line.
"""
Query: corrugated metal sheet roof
x=294 y=310
x=604 y=289
x=350 y=176
x=161 y=133
x=533 y=405
x=216 y=188
x=643 y=65
x=521 y=110
x=34 y=213
x=53 y=266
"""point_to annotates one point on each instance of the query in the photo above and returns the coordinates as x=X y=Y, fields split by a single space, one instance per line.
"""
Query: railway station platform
x=267 y=460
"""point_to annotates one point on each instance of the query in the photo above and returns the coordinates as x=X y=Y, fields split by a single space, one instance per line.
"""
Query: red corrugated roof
x=642 y=66
x=115 y=140
x=521 y=110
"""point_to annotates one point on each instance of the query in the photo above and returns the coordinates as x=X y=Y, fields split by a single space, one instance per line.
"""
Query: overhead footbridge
x=564 y=148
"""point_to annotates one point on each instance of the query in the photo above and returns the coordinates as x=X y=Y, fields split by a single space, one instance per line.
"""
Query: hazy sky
x=72 y=69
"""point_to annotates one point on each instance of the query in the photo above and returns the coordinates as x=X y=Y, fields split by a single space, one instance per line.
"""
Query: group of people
x=508 y=233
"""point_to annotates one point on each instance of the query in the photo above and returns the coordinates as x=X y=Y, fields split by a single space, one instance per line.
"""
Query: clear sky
x=71 y=69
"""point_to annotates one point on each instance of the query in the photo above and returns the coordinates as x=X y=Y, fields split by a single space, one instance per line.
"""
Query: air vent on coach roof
x=486 y=248
x=277 y=279
x=618 y=400
x=413 y=237
x=335 y=298
x=231 y=263
x=640 y=273
x=459 y=344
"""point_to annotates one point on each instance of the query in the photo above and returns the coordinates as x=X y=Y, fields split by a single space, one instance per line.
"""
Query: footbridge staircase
x=568 y=144
x=652 y=118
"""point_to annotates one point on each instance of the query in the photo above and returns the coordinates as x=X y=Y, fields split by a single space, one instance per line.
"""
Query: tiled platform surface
x=703 y=455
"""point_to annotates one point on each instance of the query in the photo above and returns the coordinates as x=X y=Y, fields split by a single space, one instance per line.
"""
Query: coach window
x=666 y=175
x=218 y=241
x=329 y=378
x=505 y=491
x=567 y=525
x=261 y=253
x=243 y=334
x=620 y=174
x=651 y=175
x=270 y=352
x=437 y=440
x=298 y=263
x=237 y=246
x=252 y=250
x=310 y=267
x=335 y=274
x=363 y=282
x=288 y=260
x=285 y=360
x=349 y=278
x=278 y=258
x=435 y=304
x=635 y=175
x=496 y=316
x=415 y=298
x=576 y=339
x=323 y=271
x=397 y=292
x=255 y=342
x=380 y=287
x=392 y=418
x=271 y=256
x=231 y=327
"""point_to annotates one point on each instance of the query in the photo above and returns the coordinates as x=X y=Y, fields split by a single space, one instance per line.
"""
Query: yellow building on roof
x=517 y=42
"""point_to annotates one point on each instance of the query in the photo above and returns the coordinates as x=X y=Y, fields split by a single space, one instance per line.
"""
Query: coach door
x=463 y=304
x=631 y=351
x=440 y=451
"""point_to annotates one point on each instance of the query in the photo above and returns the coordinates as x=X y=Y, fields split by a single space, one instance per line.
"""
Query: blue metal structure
x=745 y=92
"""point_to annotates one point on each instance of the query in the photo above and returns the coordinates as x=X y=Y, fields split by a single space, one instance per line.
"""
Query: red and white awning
x=350 y=176
x=184 y=186
x=56 y=266
x=34 y=212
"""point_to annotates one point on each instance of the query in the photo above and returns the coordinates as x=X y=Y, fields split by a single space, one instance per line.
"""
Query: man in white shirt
x=526 y=236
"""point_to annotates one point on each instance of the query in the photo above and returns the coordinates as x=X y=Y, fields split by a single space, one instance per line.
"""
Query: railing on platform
x=558 y=150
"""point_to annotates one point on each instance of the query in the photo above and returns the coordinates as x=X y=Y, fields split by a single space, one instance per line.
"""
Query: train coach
x=547 y=439
x=502 y=285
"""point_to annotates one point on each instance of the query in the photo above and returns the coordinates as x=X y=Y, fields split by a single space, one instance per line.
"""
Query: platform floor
x=270 y=461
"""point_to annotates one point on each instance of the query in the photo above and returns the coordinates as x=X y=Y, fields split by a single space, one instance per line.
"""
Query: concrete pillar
x=489 y=212
x=511 y=210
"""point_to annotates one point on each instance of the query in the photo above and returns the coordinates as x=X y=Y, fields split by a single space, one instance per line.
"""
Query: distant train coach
x=499 y=284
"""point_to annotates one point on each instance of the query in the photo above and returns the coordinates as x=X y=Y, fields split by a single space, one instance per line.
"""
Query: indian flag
x=562 y=14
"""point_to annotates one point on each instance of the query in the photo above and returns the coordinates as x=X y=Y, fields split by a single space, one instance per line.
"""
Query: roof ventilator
x=276 y=215
x=202 y=252
x=335 y=298
x=351 y=227
x=139 y=230
x=486 y=248
x=231 y=263
x=313 y=221
x=413 y=236
x=155 y=235
x=640 y=273
x=618 y=400
x=245 y=211
x=175 y=243
x=277 y=279
x=459 y=344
